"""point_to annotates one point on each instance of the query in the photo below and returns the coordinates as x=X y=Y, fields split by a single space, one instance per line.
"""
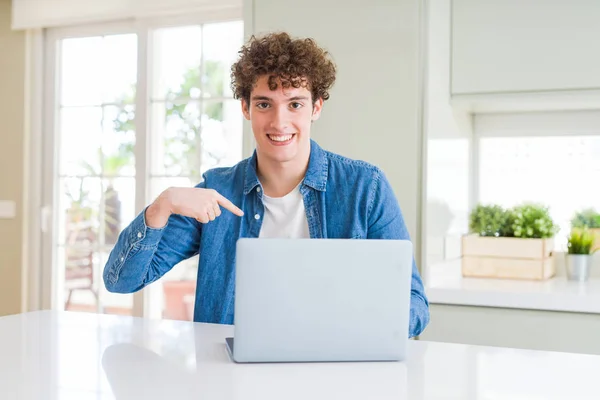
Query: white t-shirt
x=284 y=217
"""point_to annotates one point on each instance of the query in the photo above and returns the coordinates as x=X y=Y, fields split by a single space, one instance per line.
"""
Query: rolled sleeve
x=144 y=254
x=146 y=235
x=138 y=236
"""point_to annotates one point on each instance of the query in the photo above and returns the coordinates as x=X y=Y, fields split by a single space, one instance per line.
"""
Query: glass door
x=131 y=110
x=195 y=125
x=92 y=166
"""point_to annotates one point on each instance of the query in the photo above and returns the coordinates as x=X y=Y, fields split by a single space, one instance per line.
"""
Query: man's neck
x=279 y=179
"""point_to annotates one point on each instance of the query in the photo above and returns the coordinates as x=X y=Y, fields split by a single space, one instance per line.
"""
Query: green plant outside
x=180 y=150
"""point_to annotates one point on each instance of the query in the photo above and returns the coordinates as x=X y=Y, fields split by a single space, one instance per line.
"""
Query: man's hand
x=204 y=205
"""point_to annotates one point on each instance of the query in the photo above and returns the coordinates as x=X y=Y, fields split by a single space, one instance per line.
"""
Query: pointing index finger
x=229 y=205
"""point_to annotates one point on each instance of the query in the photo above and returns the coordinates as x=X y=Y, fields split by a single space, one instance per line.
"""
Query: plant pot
x=177 y=295
x=578 y=267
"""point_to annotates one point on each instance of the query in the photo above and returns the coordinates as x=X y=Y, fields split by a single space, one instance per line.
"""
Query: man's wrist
x=158 y=213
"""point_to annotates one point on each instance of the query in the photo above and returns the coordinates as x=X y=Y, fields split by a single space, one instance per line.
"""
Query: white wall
x=52 y=13
x=374 y=110
x=449 y=135
x=525 y=45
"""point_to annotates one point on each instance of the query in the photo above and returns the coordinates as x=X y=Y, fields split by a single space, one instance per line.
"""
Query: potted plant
x=489 y=220
x=512 y=243
x=579 y=254
x=531 y=221
x=590 y=219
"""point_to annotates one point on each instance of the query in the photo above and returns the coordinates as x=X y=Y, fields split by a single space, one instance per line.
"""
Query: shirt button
x=139 y=234
x=256 y=216
x=258 y=189
x=122 y=258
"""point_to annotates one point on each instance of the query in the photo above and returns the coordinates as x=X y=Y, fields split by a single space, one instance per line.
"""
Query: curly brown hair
x=294 y=62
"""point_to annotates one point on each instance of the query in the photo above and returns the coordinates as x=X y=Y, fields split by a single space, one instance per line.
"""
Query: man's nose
x=280 y=120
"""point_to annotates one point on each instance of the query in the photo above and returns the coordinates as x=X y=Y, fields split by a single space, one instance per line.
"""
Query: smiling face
x=281 y=121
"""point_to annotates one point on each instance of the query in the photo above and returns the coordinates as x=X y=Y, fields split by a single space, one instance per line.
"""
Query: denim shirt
x=343 y=198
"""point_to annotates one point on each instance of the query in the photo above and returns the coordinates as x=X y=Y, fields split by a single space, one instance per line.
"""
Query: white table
x=59 y=355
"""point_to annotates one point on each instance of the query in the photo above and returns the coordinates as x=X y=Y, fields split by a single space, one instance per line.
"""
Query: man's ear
x=245 y=109
x=317 y=107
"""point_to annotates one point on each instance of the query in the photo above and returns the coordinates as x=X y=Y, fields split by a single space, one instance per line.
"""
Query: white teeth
x=280 y=138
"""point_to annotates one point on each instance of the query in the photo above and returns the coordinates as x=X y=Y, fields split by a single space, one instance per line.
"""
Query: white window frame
x=31 y=298
x=40 y=274
x=528 y=124
x=531 y=124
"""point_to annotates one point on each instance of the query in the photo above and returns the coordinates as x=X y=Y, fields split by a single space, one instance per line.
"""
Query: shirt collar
x=315 y=177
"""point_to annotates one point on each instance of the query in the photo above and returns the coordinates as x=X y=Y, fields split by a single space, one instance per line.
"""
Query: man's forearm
x=127 y=267
x=158 y=213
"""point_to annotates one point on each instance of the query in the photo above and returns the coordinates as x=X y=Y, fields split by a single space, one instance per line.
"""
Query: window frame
x=566 y=123
x=41 y=278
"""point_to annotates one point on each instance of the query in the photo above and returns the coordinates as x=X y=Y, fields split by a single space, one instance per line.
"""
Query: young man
x=289 y=188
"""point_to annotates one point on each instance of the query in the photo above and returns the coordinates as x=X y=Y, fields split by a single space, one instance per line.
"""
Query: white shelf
x=445 y=285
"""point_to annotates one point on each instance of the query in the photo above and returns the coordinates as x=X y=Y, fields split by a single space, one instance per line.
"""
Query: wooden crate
x=473 y=245
x=508 y=258
x=508 y=268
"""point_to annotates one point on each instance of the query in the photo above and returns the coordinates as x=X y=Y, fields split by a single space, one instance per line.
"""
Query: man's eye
x=262 y=105
x=296 y=105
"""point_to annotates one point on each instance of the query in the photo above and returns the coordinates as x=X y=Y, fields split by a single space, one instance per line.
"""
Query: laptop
x=321 y=300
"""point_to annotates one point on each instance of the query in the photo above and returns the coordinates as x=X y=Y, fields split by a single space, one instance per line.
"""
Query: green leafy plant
x=488 y=220
x=587 y=218
x=531 y=220
x=187 y=134
x=581 y=241
x=527 y=220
